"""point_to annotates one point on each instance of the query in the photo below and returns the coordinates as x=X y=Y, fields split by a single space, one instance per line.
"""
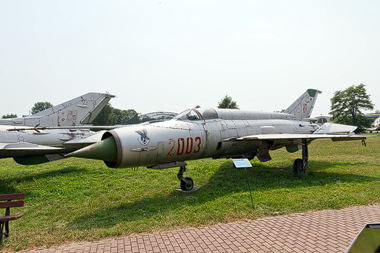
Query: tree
x=125 y=117
x=8 y=116
x=40 y=106
x=145 y=118
x=106 y=117
x=227 y=102
x=347 y=106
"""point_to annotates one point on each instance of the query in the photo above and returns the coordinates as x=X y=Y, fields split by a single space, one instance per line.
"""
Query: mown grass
x=76 y=199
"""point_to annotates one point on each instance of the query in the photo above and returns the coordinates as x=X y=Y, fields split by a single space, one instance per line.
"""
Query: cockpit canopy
x=197 y=114
x=229 y=114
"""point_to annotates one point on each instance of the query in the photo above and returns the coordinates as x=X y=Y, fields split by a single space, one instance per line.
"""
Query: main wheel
x=297 y=166
x=187 y=184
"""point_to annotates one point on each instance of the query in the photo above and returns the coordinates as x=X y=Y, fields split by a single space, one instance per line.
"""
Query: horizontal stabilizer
x=331 y=128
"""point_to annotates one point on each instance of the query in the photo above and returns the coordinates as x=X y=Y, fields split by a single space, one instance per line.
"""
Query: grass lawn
x=78 y=199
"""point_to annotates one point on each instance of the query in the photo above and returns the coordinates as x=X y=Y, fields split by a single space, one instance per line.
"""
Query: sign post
x=244 y=163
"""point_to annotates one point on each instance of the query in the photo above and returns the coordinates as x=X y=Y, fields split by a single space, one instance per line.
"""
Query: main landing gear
x=187 y=184
x=302 y=164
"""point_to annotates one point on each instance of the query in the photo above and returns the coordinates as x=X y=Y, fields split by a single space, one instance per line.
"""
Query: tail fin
x=303 y=106
x=78 y=111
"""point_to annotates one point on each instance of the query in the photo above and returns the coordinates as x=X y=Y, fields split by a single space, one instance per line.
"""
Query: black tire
x=187 y=184
x=297 y=166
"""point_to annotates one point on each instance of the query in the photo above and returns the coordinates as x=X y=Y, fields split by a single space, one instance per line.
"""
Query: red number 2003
x=187 y=146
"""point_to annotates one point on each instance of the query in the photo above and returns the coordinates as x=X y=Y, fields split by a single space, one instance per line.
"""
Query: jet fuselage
x=190 y=138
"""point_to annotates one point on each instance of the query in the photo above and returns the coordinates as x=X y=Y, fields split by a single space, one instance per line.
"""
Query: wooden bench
x=6 y=202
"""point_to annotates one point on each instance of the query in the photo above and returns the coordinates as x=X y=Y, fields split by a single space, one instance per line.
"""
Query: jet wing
x=334 y=137
x=328 y=130
x=37 y=128
x=25 y=146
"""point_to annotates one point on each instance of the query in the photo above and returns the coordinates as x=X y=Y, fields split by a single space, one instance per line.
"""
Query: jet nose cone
x=105 y=150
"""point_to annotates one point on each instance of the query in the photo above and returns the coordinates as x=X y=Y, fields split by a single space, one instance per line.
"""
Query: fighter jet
x=217 y=133
x=42 y=143
x=78 y=111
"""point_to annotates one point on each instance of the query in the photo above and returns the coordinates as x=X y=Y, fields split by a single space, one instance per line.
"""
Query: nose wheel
x=187 y=184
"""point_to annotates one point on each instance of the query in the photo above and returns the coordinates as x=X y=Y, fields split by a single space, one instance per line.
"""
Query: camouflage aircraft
x=218 y=133
x=41 y=142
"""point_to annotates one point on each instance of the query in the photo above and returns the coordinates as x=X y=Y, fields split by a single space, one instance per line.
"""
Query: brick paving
x=320 y=231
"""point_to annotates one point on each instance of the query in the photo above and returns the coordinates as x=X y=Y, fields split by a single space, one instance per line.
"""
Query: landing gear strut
x=302 y=164
x=187 y=183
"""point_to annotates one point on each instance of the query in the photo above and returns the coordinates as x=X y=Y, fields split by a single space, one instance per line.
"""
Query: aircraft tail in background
x=303 y=106
x=78 y=111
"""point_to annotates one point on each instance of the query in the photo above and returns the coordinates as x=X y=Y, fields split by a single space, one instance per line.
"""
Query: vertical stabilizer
x=303 y=106
x=78 y=111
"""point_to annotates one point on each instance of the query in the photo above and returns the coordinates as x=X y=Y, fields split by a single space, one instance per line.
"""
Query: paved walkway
x=321 y=231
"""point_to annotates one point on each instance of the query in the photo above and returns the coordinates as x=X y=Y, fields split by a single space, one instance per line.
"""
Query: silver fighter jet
x=217 y=133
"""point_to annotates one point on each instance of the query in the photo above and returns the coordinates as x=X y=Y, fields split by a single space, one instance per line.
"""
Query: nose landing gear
x=187 y=184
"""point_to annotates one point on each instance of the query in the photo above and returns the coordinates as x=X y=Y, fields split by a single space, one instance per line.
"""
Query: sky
x=170 y=55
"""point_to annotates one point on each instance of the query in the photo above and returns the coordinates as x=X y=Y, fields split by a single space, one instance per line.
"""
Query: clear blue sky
x=171 y=55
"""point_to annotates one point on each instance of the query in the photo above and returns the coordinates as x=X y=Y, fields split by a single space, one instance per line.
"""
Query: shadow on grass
x=225 y=181
x=8 y=186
